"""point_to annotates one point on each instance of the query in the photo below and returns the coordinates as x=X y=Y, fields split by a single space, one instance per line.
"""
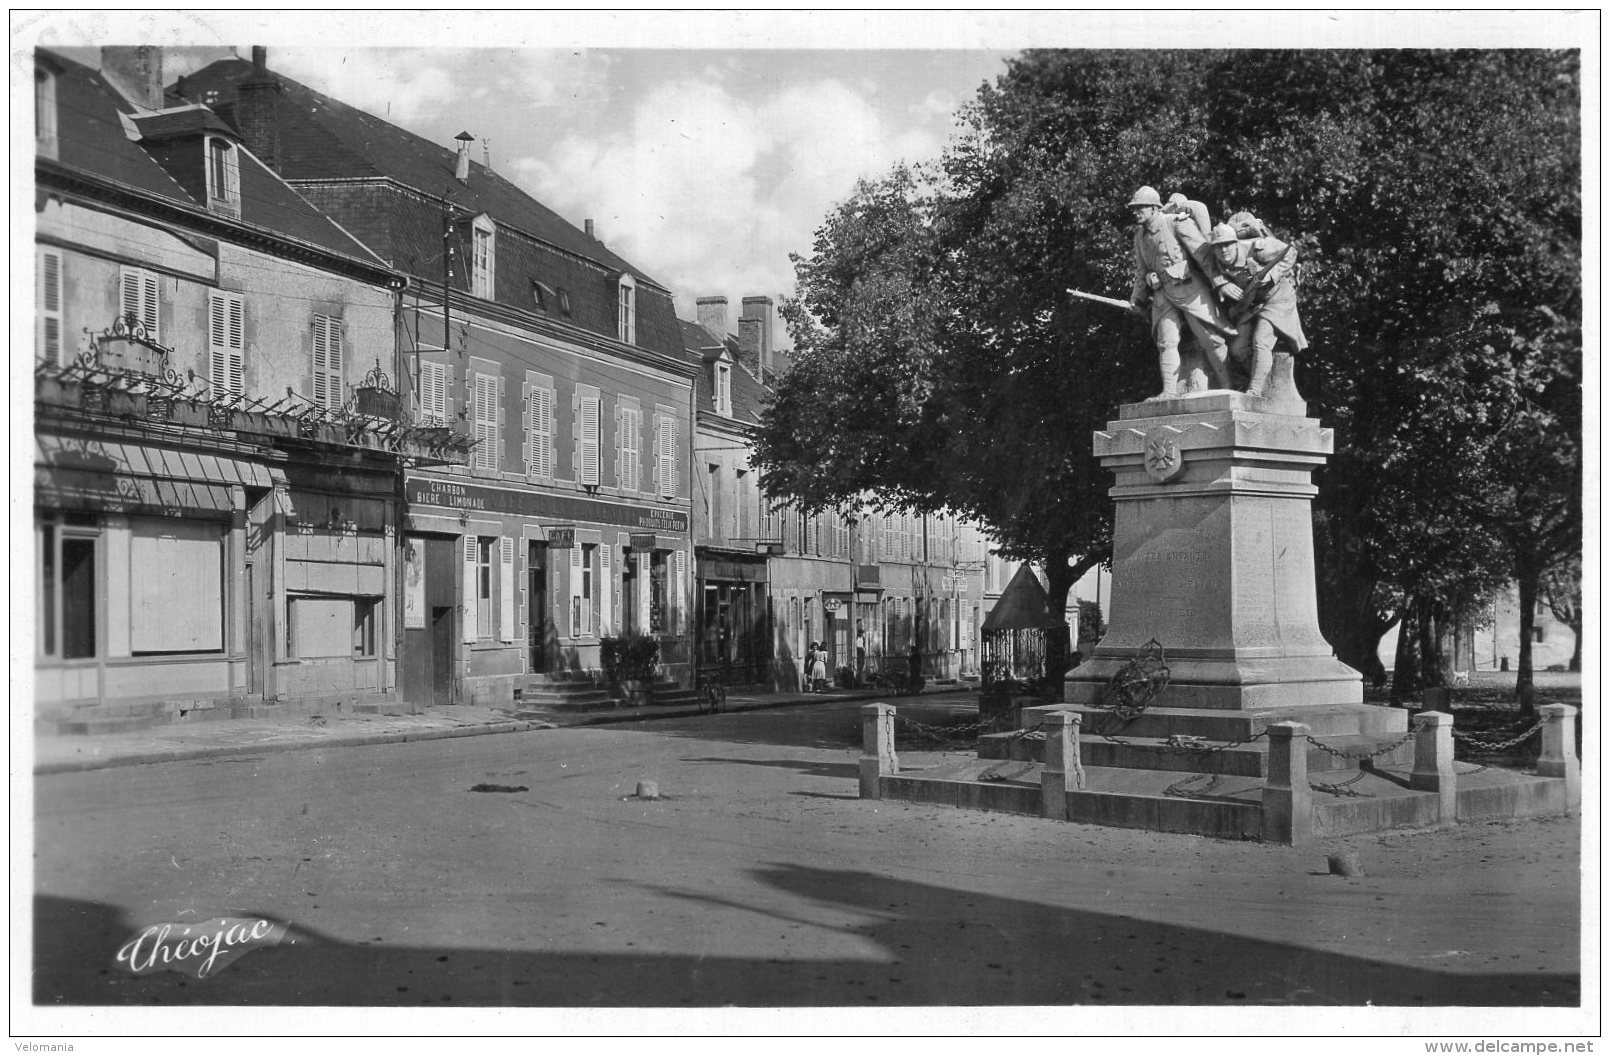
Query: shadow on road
x=939 y=946
x=841 y=771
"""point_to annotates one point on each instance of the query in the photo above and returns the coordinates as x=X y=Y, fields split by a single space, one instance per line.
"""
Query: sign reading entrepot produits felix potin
x=454 y=496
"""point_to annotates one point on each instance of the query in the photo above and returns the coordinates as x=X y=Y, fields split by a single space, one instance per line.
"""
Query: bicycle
x=712 y=695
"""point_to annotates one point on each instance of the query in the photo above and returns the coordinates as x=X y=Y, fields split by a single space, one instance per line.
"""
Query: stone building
x=215 y=509
x=562 y=361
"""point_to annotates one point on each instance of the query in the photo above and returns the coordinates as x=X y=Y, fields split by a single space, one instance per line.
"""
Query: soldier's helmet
x=1222 y=234
x=1145 y=196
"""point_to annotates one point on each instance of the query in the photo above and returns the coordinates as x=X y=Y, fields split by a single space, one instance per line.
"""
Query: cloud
x=398 y=84
x=709 y=192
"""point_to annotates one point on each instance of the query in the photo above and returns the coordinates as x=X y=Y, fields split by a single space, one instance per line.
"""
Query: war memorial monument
x=1213 y=704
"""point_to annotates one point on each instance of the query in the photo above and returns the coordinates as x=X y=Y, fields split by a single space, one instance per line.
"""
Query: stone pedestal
x=1213 y=553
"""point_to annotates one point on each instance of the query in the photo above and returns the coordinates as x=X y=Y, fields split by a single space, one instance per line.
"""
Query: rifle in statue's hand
x=1124 y=306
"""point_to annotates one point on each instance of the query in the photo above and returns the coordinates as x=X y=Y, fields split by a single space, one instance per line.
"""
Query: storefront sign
x=454 y=497
x=561 y=537
x=645 y=541
x=832 y=604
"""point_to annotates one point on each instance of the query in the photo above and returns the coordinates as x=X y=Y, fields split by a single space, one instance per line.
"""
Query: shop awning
x=77 y=473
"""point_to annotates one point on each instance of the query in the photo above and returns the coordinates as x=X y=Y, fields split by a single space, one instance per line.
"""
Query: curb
x=176 y=755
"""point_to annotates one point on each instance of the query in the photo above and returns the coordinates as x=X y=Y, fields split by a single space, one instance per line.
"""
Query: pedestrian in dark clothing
x=915 y=659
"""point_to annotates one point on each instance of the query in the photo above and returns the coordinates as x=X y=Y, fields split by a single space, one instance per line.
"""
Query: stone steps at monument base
x=1223 y=806
x=1153 y=753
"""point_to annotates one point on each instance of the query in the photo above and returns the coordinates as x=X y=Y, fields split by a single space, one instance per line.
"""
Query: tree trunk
x=1059 y=580
x=1351 y=624
x=1576 y=650
x=1526 y=581
x=1406 y=663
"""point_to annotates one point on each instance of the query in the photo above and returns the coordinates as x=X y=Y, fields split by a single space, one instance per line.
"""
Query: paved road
x=759 y=879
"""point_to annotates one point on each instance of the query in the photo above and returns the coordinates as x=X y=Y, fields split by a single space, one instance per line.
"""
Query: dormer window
x=45 y=113
x=483 y=259
x=724 y=390
x=626 y=315
x=223 y=176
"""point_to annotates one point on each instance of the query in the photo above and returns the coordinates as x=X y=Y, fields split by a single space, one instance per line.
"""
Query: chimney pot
x=761 y=308
x=749 y=342
x=137 y=71
x=713 y=316
x=588 y=224
x=461 y=171
x=259 y=59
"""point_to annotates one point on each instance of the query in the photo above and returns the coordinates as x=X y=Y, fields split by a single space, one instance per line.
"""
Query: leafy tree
x=1433 y=200
x=1562 y=593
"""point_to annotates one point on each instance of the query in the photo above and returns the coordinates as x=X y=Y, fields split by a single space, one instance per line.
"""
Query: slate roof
x=91 y=138
x=1023 y=605
x=749 y=396
x=323 y=139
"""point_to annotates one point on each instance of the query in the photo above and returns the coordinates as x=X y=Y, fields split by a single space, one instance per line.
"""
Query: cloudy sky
x=706 y=146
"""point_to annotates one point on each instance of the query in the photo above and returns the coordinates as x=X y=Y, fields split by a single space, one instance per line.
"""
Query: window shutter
x=606 y=587
x=333 y=351
x=433 y=393
x=321 y=362
x=226 y=334
x=506 y=588
x=148 y=308
x=129 y=295
x=50 y=306
x=528 y=418
x=643 y=589
x=471 y=632
x=499 y=417
x=575 y=436
x=620 y=447
x=589 y=440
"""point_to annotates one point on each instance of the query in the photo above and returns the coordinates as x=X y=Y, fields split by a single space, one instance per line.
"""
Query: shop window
x=176 y=588
x=483 y=586
x=363 y=627
x=659 y=595
x=67 y=594
x=583 y=569
x=322 y=628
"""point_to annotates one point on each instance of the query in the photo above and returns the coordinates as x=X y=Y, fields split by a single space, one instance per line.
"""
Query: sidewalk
x=65 y=753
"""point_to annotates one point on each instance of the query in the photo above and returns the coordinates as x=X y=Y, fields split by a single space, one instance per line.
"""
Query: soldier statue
x=1253 y=276
x=1172 y=260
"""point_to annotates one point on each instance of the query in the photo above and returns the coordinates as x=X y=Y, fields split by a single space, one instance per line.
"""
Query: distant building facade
x=774 y=580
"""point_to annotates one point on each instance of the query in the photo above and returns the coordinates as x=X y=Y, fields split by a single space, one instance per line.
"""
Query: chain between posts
x=1498 y=746
x=1414 y=728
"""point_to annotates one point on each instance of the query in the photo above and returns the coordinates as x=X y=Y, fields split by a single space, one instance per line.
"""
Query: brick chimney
x=760 y=308
x=137 y=71
x=713 y=316
x=749 y=346
x=257 y=116
x=461 y=171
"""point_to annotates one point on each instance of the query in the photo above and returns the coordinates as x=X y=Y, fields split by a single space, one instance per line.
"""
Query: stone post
x=877 y=747
x=1288 y=810
x=1433 y=762
x=1558 y=757
x=1061 y=755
